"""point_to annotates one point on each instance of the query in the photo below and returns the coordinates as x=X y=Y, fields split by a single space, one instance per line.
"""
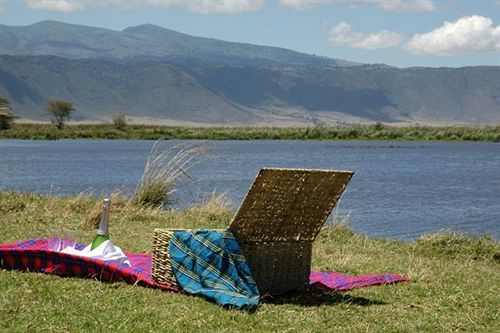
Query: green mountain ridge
x=159 y=74
x=143 y=41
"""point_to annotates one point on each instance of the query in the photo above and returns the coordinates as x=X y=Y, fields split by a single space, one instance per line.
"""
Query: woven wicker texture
x=286 y=205
x=279 y=267
x=161 y=268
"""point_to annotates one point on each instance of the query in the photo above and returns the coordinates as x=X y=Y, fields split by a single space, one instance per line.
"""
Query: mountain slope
x=251 y=94
x=144 y=41
x=99 y=88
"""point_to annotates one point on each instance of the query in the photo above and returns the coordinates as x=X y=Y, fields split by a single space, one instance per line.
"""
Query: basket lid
x=288 y=204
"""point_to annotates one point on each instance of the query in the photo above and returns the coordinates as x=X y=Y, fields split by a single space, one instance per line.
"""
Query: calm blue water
x=400 y=190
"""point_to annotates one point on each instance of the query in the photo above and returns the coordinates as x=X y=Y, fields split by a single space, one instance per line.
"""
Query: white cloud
x=55 y=5
x=388 y=5
x=341 y=34
x=201 y=6
x=406 y=5
x=221 y=6
x=467 y=34
x=306 y=4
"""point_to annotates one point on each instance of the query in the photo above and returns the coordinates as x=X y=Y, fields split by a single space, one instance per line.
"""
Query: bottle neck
x=103 y=226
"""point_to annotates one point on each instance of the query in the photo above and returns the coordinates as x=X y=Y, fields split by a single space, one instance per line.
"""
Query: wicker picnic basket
x=161 y=269
x=276 y=225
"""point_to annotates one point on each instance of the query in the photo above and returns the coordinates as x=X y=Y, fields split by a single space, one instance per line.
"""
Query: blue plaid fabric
x=210 y=263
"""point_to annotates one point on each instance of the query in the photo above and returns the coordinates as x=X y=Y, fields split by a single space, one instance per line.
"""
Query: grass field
x=150 y=132
x=455 y=287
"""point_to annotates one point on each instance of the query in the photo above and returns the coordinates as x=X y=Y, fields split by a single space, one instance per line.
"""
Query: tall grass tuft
x=166 y=169
x=215 y=210
x=216 y=205
x=118 y=201
x=454 y=245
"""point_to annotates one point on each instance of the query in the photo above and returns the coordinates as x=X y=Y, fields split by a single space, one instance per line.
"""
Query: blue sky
x=396 y=32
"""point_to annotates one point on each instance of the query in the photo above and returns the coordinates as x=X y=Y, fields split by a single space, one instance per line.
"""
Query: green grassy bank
x=150 y=132
x=455 y=287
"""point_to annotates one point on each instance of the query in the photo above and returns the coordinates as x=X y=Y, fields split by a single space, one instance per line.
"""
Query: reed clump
x=166 y=169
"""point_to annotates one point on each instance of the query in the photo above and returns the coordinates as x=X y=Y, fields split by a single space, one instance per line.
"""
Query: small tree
x=6 y=118
x=60 y=111
x=119 y=120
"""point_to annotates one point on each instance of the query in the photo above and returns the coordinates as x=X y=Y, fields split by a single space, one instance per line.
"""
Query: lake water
x=399 y=190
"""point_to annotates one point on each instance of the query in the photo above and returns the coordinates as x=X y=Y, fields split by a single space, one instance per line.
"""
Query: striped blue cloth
x=210 y=263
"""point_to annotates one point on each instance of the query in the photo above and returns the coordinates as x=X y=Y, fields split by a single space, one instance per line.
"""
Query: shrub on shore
x=60 y=112
x=6 y=117
x=119 y=121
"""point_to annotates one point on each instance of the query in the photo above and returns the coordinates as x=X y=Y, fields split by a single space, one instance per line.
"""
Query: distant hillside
x=156 y=74
x=251 y=94
x=144 y=41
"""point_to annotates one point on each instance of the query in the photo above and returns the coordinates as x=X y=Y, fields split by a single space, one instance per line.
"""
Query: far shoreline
x=377 y=131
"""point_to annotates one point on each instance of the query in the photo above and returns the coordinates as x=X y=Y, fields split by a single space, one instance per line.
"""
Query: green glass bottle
x=103 y=232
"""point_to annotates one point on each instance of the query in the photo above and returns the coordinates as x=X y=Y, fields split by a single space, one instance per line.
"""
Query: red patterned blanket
x=36 y=256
